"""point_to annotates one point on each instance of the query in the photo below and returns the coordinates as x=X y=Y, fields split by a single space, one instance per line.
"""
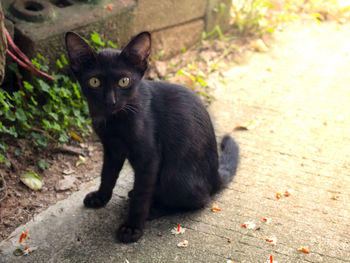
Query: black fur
x=162 y=129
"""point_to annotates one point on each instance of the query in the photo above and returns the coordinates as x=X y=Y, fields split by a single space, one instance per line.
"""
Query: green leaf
x=76 y=91
x=18 y=97
x=39 y=139
x=95 y=37
x=34 y=110
x=28 y=86
x=47 y=108
x=44 y=86
x=63 y=138
x=41 y=57
x=11 y=131
x=59 y=64
x=3 y=146
x=32 y=180
x=10 y=116
x=18 y=152
x=63 y=59
x=54 y=115
x=43 y=165
x=160 y=53
x=2 y=158
x=36 y=63
x=111 y=44
x=20 y=115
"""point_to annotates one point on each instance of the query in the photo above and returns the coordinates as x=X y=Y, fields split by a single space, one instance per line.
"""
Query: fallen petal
x=249 y=225
x=183 y=244
x=214 y=207
x=271 y=260
x=178 y=230
x=288 y=192
x=272 y=240
x=267 y=220
x=335 y=197
x=304 y=249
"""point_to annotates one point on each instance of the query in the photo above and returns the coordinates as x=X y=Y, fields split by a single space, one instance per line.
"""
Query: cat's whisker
x=130 y=108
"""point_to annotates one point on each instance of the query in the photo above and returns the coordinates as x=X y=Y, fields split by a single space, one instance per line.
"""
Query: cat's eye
x=124 y=82
x=94 y=82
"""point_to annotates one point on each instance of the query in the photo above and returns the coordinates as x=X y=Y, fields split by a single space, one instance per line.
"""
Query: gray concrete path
x=299 y=94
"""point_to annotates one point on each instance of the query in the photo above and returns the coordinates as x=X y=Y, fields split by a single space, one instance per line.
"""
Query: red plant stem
x=20 y=62
x=29 y=65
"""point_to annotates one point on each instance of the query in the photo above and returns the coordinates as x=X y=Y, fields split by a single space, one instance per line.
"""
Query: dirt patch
x=19 y=203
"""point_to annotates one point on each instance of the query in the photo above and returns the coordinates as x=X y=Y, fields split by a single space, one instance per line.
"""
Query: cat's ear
x=138 y=50
x=79 y=52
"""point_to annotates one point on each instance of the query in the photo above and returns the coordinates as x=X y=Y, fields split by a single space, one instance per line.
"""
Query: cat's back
x=172 y=97
x=179 y=115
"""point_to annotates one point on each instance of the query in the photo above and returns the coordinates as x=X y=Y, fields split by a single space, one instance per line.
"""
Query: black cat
x=162 y=129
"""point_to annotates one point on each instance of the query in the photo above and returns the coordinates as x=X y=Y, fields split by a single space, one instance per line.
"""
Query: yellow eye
x=94 y=82
x=124 y=82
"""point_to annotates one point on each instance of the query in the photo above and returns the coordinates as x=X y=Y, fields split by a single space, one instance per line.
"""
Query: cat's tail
x=228 y=160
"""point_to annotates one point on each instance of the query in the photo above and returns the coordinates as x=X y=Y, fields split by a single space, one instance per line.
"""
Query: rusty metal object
x=3 y=46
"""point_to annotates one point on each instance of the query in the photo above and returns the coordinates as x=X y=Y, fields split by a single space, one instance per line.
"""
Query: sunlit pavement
x=298 y=96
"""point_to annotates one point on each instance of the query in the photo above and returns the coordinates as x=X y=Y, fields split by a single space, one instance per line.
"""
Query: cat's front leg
x=140 y=200
x=113 y=161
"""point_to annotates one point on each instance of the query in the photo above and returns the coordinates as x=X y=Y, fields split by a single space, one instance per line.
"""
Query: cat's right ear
x=79 y=52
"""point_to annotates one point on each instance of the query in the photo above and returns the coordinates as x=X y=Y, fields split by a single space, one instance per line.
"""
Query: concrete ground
x=298 y=94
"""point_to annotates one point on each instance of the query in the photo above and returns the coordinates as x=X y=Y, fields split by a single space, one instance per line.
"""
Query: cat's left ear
x=138 y=50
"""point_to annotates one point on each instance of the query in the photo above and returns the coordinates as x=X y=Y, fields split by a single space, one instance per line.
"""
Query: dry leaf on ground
x=259 y=46
x=81 y=160
x=248 y=126
x=32 y=180
x=65 y=184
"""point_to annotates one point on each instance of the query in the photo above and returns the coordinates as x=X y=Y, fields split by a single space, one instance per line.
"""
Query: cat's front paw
x=95 y=200
x=128 y=234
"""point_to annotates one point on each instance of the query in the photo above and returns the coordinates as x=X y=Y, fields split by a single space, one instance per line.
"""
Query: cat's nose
x=110 y=99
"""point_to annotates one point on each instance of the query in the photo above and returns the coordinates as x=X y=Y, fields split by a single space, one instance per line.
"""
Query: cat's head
x=109 y=78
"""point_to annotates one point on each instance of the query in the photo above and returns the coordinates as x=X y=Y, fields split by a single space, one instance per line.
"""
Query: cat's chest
x=114 y=127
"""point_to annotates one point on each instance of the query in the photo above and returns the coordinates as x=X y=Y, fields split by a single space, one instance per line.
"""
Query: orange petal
x=305 y=250
x=215 y=208
x=109 y=7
